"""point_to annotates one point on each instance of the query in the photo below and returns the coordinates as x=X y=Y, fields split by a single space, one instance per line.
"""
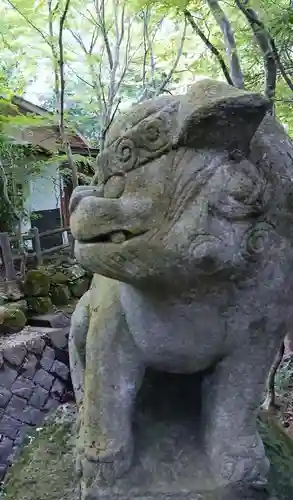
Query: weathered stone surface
x=47 y=358
x=60 y=369
x=39 y=397
x=192 y=250
x=79 y=287
x=10 y=291
x=59 y=278
x=7 y=376
x=37 y=283
x=12 y=320
x=39 y=305
x=44 y=379
x=15 y=407
x=22 y=434
x=51 y=405
x=9 y=426
x=5 y=396
x=32 y=416
x=15 y=354
x=3 y=469
x=59 y=337
x=29 y=366
x=35 y=345
x=60 y=294
x=23 y=387
x=19 y=304
x=53 y=477
x=6 y=447
x=54 y=320
x=74 y=272
x=57 y=389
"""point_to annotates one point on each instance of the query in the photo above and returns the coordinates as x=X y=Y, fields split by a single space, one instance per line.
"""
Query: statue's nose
x=81 y=192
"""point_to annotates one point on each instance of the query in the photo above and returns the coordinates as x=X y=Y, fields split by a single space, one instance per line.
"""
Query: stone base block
x=169 y=461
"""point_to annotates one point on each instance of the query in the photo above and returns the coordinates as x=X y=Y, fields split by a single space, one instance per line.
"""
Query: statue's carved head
x=175 y=196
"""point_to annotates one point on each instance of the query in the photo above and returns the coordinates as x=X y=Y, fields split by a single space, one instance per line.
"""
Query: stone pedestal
x=169 y=461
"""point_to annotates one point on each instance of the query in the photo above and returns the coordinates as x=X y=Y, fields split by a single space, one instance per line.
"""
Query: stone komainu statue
x=188 y=227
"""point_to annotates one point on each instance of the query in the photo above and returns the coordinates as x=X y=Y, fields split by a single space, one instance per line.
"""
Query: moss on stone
x=44 y=470
x=279 y=449
x=37 y=283
x=79 y=287
x=12 y=319
x=60 y=294
x=39 y=305
x=59 y=278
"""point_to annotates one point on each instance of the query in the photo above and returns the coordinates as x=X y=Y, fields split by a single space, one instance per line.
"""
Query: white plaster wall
x=44 y=193
x=45 y=189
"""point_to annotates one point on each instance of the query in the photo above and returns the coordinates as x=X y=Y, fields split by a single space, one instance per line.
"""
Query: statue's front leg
x=112 y=377
x=231 y=399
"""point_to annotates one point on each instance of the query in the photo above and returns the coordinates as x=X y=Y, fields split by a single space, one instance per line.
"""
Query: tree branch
x=179 y=53
x=263 y=40
x=209 y=45
x=63 y=134
x=102 y=22
x=29 y=22
x=231 y=50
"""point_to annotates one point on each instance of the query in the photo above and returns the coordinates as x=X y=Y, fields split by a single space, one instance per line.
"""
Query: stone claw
x=105 y=467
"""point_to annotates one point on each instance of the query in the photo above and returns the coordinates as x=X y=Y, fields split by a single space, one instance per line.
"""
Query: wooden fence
x=9 y=255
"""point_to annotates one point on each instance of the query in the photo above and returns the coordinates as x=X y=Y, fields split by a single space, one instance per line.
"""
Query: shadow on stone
x=169 y=463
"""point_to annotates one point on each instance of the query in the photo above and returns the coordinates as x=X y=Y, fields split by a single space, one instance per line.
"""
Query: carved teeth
x=118 y=237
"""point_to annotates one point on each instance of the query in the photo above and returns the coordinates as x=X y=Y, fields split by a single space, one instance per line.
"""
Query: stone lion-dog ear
x=216 y=115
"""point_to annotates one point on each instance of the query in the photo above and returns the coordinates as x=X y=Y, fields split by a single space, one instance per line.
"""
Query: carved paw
x=104 y=468
x=243 y=461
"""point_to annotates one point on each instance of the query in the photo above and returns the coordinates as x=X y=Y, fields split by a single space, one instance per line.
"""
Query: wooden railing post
x=37 y=245
x=7 y=257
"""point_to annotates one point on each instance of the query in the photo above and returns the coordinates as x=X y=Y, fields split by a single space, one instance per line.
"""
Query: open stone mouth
x=118 y=236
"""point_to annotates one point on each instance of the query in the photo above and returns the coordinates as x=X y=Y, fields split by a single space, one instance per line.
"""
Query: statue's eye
x=152 y=131
x=242 y=186
x=238 y=190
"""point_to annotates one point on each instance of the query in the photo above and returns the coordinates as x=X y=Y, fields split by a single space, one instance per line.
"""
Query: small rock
x=9 y=426
x=3 y=469
x=51 y=405
x=60 y=369
x=15 y=354
x=36 y=345
x=47 y=358
x=19 y=304
x=6 y=447
x=15 y=407
x=59 y=278
x=29 y=366
x=5 y=397
x=79 y=287
x=53 y=320
x=60 y=294
x=39 y=305
x=59 y=337
x=57 y=389
x=39 y=397
x=37 y=283
x=44 y=379
x=32 y=416
x=12 y=320
x=7 y=376
x=23 y=387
